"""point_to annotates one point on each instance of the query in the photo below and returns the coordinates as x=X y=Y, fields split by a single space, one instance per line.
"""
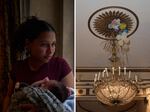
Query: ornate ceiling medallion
x=106 y=23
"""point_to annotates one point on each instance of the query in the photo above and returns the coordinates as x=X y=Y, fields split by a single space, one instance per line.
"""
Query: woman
x=38 y=39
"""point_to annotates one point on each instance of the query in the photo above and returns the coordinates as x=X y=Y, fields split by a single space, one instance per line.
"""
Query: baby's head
x=60 y=91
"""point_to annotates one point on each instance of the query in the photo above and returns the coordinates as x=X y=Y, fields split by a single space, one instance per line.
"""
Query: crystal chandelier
x=115 y=85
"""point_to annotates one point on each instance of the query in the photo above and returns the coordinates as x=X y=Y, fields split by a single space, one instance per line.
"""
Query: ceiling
x=90 y=52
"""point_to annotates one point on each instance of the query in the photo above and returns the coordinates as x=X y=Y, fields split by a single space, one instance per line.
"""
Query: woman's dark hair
x=29 y=30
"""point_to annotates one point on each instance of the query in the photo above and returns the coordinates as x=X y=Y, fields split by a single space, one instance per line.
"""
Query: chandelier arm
x=126 y=93
x=131 y=96
x=102 y=94
x=118 y=92
x=109 y=89
x=127 y=58
x=133 y=93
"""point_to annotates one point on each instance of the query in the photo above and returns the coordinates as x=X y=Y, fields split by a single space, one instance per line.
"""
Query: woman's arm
x=68 y=80
x=7 y=97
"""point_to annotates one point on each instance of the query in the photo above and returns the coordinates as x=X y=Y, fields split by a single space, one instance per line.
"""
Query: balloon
x=123 y=26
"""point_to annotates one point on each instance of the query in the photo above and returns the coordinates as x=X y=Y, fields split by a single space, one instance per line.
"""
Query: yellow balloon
x=122 y=26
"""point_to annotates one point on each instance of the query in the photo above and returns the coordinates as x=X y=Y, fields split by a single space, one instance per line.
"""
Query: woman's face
x=43 y=48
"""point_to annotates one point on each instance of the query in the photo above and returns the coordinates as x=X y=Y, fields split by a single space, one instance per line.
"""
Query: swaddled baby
x=37 y=97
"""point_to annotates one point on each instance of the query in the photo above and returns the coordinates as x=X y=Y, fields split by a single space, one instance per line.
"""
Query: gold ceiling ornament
x=114 y=24
x=100 y=20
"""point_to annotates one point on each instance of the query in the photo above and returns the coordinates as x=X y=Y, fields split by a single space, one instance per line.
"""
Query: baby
x=21 y=98
x=58 y=89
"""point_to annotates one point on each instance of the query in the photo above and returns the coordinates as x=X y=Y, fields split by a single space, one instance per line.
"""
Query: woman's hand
x=45 y=83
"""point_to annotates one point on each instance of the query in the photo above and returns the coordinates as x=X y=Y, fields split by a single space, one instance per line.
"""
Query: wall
x=68 y=30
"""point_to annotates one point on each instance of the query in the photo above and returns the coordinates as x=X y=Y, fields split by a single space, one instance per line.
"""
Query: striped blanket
x=42 y=99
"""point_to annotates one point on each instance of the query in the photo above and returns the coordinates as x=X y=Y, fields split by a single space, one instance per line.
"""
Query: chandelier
x=115 y=85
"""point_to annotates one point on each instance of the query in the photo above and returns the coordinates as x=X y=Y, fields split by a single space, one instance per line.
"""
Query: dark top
x=56 y=69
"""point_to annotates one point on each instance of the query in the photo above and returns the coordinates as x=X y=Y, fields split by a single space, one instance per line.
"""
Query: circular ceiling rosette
x=99 y=21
